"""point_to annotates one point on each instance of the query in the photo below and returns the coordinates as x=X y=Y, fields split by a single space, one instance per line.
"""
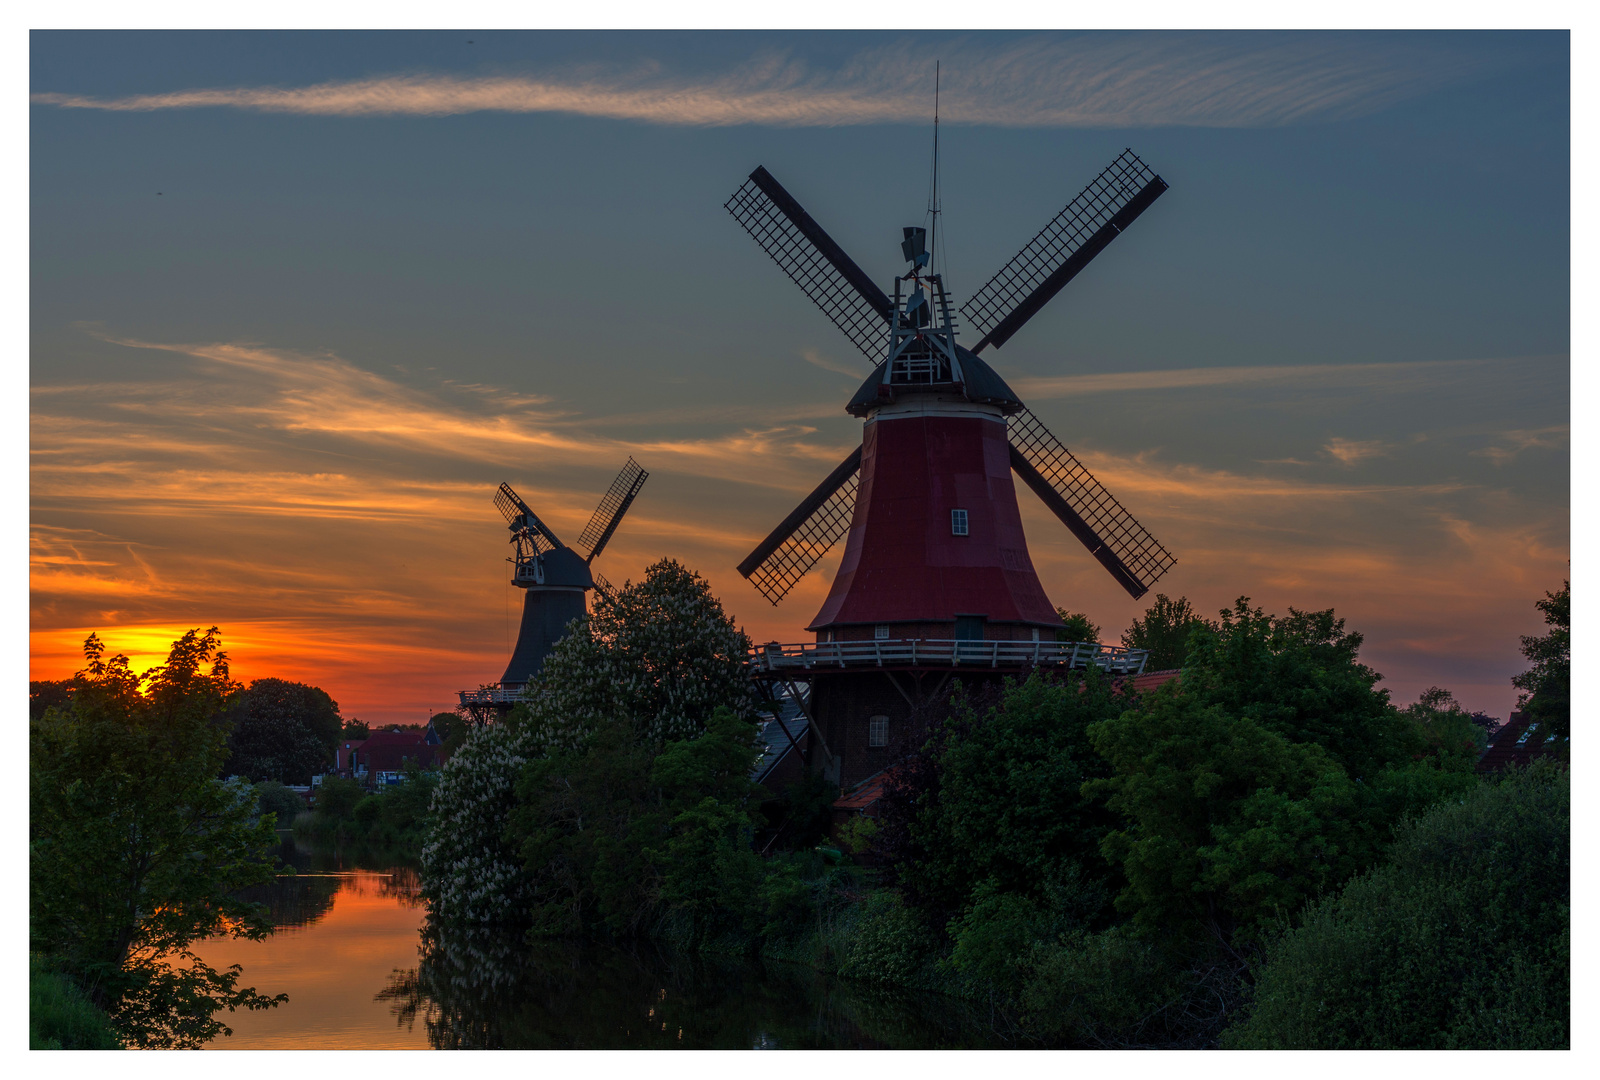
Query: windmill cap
x=565 y=568
x=982 y=384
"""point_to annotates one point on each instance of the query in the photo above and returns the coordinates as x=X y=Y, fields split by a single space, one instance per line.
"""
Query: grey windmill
x=557 y=578
x=911 y=342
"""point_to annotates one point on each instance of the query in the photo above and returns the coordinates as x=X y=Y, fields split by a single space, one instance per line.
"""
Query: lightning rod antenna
x=933 y=205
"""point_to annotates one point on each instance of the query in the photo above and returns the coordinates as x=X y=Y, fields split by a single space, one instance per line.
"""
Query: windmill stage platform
x=907 y=653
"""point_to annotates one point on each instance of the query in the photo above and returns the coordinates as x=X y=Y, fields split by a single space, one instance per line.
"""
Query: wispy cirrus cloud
x=1355 y=451
x=1390 y=376
x=1512 y=443
x=1098 y=80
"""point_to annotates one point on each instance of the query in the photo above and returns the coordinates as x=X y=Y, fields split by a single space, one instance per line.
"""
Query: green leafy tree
x=354 y=729
x=1460 y=941
x=1547 y=685
x=1299 y=676
x=1229 y=823
x=1007 y=812
x=1164 y=631
x=617 y=834
x=137 y=850
x=283 y=731
x=1077 y=628
x=1275 y=768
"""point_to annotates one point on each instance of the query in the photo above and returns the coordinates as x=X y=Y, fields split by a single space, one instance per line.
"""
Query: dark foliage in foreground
x=1460 y=940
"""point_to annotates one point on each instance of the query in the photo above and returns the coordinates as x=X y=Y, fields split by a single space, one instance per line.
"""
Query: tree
x=284 y=731
x=354 y=729
x=46 y=694
x=137 y=850
x=1299 y=676
x=661 y=653
x=616 y=833
x=1004 y=810
x=1276 y=767
x=659 y=657
x=1546 y=686
x=1077 y=628
x=1460 y=941
x=1228 y=824
x=1164 y=632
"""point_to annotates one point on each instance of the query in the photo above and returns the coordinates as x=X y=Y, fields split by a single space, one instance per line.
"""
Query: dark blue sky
x=386 y=271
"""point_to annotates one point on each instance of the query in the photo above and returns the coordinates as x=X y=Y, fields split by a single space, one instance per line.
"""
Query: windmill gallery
x=935 y=579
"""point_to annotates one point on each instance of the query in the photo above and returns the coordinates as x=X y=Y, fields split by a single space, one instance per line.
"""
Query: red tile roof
x=865 y=794
x=1515 y=744
x=1152 y=679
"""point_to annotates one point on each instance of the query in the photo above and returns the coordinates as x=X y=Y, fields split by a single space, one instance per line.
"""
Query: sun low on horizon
x=301 y=302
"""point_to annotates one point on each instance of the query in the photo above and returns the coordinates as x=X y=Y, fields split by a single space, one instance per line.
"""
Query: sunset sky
x=299 y=302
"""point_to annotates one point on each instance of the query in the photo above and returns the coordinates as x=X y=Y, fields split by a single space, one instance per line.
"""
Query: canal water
x=364 y=968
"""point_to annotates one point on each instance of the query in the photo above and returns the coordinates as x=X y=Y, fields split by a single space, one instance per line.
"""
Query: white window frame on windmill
x=880 y=632
x=958 y=522
x=878 y=731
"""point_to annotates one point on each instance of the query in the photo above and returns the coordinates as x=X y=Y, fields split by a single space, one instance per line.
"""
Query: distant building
x=382 y=756
x=1518 y=743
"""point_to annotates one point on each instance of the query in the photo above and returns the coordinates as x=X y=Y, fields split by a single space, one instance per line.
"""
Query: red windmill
x=935 y=576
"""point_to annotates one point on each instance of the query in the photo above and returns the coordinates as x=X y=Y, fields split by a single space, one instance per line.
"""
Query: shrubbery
x=1099 y=867
x=280 y=801
x=1461 y=940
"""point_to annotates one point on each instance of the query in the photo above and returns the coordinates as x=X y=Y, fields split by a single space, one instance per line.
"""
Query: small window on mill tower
x=958 y=523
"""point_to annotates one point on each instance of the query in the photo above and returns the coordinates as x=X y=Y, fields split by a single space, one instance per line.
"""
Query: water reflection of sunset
x=332 y=969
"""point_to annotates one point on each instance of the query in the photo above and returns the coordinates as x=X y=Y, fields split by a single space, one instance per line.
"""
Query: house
x=382 y=756
x=1518 y=743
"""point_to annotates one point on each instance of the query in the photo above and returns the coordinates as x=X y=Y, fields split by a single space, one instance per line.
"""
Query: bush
x=61 y=1016
x=1461 y=941
x=337 y=798
x=1120 y=989
x=277 y=799
x=367 y=810
x=889 y=943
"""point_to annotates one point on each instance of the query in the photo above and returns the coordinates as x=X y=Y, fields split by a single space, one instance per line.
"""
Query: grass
x=61 y=1016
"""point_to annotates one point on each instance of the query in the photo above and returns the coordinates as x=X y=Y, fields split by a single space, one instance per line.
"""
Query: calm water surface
x=365 y=969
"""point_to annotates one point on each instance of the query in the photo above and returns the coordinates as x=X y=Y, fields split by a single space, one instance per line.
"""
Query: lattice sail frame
x=1109 y=193
x=537 y=533
x=1143 y=556
x=608 y=515
x=864 y=323
x=806 y=545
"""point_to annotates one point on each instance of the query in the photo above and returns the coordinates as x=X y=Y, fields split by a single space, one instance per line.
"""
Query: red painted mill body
x=936 y=533
x=935 y=582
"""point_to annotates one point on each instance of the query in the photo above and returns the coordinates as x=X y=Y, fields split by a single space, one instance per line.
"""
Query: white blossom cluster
x=468 y=873
x=661 y=652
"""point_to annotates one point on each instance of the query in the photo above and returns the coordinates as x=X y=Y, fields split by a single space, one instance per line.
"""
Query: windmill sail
x=813 y=261
x=608 y=515
x=1065 y=246
x=793 y=548
x=1112 y=535
x=512 y=506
